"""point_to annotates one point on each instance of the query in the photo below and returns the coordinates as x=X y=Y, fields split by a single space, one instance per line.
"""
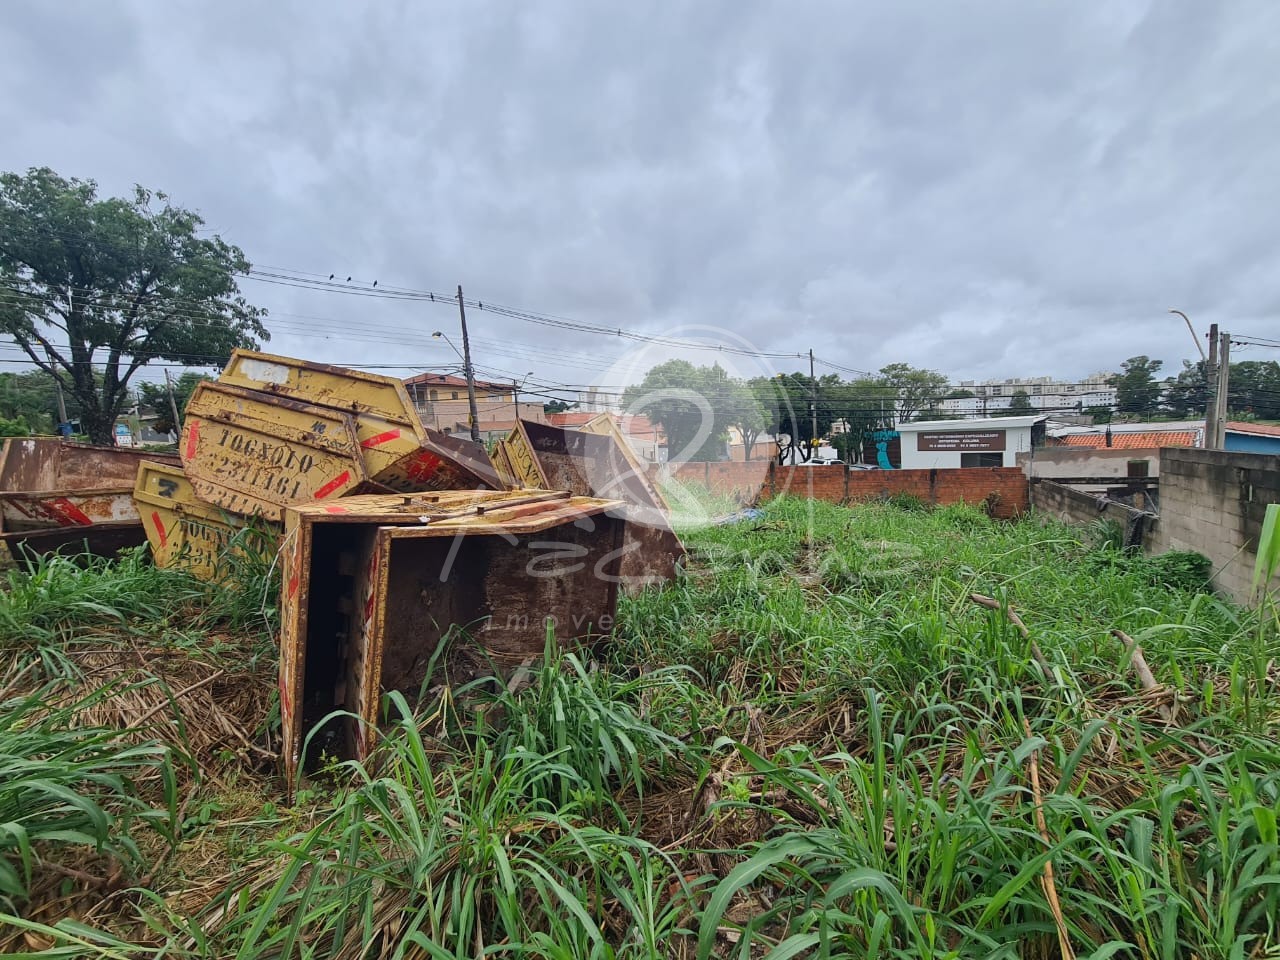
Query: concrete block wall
x=1087 y=461
x=1213 y=501
x=1072 y=505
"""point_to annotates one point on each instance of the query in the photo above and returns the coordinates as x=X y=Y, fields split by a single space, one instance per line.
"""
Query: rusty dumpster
x=56 y=495
x=394 y=592
x=399 y=452
x=186 y=532
x=598 y=463
x=250 y=453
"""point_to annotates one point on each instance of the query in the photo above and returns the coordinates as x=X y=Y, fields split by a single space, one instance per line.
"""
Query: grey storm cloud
x=987 y=189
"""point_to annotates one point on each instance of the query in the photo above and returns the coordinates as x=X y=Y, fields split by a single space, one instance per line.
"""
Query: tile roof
x=1260 y=429
x=1131 y=441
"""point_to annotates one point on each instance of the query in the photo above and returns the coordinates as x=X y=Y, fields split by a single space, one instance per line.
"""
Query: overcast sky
x=986 y=189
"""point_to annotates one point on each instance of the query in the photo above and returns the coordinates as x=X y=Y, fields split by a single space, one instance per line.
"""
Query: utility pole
x=1211 y=387
x=813 y=404
x=471 y=377
x=173 y=404
x=1224 y=377
x=57 y=388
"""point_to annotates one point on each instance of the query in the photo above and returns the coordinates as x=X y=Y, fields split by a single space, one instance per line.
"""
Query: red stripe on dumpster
x=333 y=484
x=286 y=705
x=193 y=432
x=335 y=509
x=293 y=585
x=155 y=518
x=423 y=467
x=70 y=512
x=381 y=438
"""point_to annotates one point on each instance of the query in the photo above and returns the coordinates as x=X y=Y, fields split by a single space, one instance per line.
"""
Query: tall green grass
x=813 y=745
x=68 y=791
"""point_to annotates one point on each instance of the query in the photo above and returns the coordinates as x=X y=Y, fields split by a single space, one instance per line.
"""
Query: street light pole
x=471 y=377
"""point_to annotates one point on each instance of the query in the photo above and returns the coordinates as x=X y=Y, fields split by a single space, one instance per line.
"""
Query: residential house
x=1251 y=437
x=441 y=402
x=1129 y=436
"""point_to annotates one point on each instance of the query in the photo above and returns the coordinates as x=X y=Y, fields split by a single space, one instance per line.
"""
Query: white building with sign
x=990 y=442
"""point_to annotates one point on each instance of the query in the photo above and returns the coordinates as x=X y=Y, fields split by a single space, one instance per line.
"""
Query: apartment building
x=1045 y=394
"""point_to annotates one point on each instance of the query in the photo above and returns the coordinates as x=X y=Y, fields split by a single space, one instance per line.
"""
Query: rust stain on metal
x=55 y=494
x=183 y=530
x=601 y=464
x=371 y=593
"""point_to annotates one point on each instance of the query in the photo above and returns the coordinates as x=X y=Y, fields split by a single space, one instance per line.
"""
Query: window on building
x=453 y=395
x=435 y=394
x=982 y=459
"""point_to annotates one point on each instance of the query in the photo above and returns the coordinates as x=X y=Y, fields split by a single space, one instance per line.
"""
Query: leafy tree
x=793 y=401
x=84 y=277
x=742 y=407
x=1019 y=405
x=1100 y=414
x=861 y=407
x=558 y=406
x=31 y=397
x=156 y=396
x=1136 y=388
x=1187 y=394
x=915 y=389
x=1253 y=389
x=689 y=403
x=16 y=427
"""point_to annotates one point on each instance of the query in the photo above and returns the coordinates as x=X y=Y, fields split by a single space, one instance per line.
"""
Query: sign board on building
x=961 y=440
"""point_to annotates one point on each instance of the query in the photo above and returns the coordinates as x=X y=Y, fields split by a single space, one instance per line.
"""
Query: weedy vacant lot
x=878 y=731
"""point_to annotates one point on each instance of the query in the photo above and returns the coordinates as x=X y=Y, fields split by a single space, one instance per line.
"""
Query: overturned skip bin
x=388 y=593
x=254 y=454
x=186 y=532
x=56 y=495
x=398 y=451
x=598 y=464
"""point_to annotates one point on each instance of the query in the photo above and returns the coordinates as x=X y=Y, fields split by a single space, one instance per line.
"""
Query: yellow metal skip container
x=393 y=592
x=183 y=530
x=253 y=453
x=399 y=452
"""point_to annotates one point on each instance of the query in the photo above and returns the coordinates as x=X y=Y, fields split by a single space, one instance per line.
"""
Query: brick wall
x=1213 y=501
x=741 y=480
x=1006 y=486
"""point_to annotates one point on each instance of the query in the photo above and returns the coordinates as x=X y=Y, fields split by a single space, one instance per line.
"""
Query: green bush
x=17 y=427
x=1181 y=570
x=907 y=501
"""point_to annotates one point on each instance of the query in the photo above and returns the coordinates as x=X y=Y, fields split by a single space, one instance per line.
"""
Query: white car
x=822 y=462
